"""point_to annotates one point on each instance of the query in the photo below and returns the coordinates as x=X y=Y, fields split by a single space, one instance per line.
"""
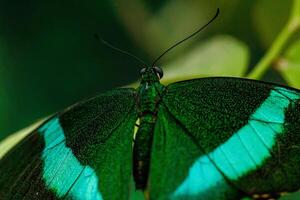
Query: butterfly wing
x=82 y=153
x=224 y=138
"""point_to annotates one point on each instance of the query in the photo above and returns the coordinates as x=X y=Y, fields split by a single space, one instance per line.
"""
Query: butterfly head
x=151 y=74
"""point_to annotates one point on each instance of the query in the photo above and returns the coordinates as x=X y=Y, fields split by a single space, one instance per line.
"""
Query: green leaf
x=159 y=29
x=296 y=11
x=289 y=65
x=280 y=42
x=265 y=13
x=219 y=56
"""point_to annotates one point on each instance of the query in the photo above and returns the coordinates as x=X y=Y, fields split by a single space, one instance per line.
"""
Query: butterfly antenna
x=193 y=34
x=120 y=50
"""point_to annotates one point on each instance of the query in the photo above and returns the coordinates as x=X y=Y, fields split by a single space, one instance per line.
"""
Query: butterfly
x=217 y=138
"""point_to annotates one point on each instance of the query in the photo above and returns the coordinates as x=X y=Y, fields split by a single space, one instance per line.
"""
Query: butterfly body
x=149 y=97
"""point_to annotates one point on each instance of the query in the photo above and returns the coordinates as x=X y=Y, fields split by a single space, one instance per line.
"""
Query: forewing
x=237 y=138
x=82 y=153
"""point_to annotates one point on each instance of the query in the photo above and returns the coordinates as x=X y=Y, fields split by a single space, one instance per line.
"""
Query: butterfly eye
x=159 y=72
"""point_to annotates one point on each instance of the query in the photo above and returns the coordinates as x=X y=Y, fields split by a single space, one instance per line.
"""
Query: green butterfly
x=207 y=139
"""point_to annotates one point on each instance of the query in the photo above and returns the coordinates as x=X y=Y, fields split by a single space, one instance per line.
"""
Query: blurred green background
x=49 y=58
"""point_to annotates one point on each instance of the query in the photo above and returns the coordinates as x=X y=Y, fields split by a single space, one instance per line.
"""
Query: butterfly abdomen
x=142 y=151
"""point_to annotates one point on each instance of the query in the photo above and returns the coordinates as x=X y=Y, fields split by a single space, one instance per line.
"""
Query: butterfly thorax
x=149 y=97
x=149 y=93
